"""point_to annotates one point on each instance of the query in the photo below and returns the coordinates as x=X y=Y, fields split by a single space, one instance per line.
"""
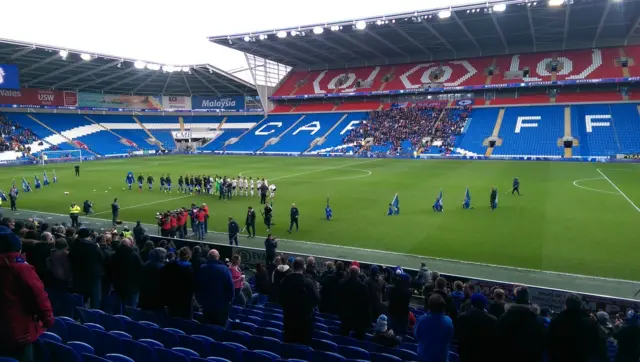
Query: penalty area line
x=620 y=191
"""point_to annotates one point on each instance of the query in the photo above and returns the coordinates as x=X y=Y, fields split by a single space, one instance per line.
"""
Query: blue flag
x=25 y=185
x=394 y=206
x=36 y=181
x=3 y=196
x=438 y=205
x=45 y=179
x=466 y=204
x=55 y=178
x=327 y=210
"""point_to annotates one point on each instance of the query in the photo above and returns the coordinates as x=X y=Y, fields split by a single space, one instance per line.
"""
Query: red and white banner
x=38 y=97
x=176 y=102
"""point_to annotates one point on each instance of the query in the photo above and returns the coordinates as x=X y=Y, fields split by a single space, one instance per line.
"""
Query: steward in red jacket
x=25 y=310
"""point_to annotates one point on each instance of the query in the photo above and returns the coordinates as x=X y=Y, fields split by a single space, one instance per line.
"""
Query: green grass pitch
x=569 y=219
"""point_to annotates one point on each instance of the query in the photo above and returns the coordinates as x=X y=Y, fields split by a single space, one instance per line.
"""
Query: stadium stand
x=299 y=138
x=268 y=129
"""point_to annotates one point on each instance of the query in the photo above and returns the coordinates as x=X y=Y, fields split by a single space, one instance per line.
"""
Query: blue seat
x=89 y=315
x=167 y=338
x=94 y=327
x=187 y=326
x=48 y=336
x=409 y=347
x=175 y=331
x=135 y=329
x=239 y=337
x=321 y=327
x=58 y=352
x=251 y=356
x=210 y=331
x=121 y=334
x=254 y=320
x=453 y=357
x=200 y=346
x=93 y=358
x=383 y=357
x=186 y=352
x=272 y=324
x=151 y=343
x=265 y=344
x=111 y=323
x=167 y=355
x=352 y=352
x=252 y=312
x=322 y=335
x=197 y=359
x=123 y=317
x=59 y=328
x=273 y=316
x=106 y=343
x=267 y=353
x=138 y=351
x=226 y=351
x=246 y=327
x=345 y=341
x=333 y=330
x=324 y=345
x=7 y=359
x=116 y=357
x=149 y=324
x=404 y=354
x=322 y=356
x=217 y=359
x=269 y=332
x=296 y=351
x=81 y=347
x=78 y=332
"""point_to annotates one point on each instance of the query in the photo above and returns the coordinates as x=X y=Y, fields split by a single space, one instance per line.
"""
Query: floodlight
x=500 y=7
x=294 y=32
x=318 y=30
x=444 y=14
x=139 y=64
x=169 y=68
x=85 y=56
x=281 y=34
x=360 y=25
x=64 y=53
x=263 y=36
x=555 y=2
x=247 y=38
x=185 y=69
x=152 y=66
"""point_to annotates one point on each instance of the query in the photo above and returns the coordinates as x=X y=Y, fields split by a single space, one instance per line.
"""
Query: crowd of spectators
x=112 y=269
x=394 y=126
x=14 y=137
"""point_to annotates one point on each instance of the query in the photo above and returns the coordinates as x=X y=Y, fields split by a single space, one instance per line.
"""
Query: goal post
x=47 y=157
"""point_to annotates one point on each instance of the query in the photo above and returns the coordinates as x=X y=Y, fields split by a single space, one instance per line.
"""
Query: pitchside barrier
x=543 y=297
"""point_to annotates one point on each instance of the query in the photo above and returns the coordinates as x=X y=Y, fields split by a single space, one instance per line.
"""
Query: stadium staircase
x=272 y=141
x=333 y=139
x=181 y=120
x=233 y=140
x=70 y=135
x=495 y=134
x=221 y=123
x=568 y=151
x=123 y=140
x=298 y=139
x=320 y=140
x=151 y=136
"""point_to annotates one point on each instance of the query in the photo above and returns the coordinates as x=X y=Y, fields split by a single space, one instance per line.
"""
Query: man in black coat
x=573 y=335
x=377 y=287
x=353 y=304
x=126 y=273
x=263 y=193
x=450 y=310
x=250 y=222
x=399 y=298
x=521 y=330
x=152 y=287
x=115 y=210
x=180 y=277
x=270 y=246
x=234 y=230
x=329 y=290
x=295 y=213
x=138 y=234
x=86 y=264
x=298 y=298
x=477 y=332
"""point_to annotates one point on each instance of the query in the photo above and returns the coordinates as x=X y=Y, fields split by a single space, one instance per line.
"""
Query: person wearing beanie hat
x=477 y=330
x=382 y=335
x=25 y=310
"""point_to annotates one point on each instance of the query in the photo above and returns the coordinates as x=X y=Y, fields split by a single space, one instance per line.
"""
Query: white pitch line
x=367 y=173
x=144 y=204
x=322 y=169
x=620 y=191
x=575 y=183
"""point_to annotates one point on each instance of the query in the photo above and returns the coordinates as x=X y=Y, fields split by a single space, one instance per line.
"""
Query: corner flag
x=466 y=204
x=45 y=179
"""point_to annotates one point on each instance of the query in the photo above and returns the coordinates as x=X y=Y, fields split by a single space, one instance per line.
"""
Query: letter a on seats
x=313 y=127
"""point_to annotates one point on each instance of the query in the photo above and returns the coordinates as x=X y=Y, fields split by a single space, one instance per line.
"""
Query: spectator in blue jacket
x=214 y=289
x=434 y=332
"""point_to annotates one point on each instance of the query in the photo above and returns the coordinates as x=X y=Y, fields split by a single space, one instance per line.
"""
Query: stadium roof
x=448 y=33
x=44 y=67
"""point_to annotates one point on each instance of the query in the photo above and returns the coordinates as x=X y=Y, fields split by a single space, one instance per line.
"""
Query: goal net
x=47 y=157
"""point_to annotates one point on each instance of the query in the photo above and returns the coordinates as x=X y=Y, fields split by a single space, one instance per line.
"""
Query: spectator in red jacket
x=174 y=225
x=181 y=219
x=25 y=310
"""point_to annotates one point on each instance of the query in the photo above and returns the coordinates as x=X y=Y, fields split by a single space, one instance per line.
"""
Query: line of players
x=225 y=187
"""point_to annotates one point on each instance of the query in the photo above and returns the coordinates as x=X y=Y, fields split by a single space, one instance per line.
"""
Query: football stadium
x=448 y=152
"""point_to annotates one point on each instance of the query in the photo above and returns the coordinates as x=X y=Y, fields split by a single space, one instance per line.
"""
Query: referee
x=74 y=211
x=77 y=168
x=294 y=218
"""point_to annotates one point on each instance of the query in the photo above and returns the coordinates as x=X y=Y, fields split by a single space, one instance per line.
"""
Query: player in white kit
x=252 y=185
x=234 y=187
x=245 y=185
x=259 y=184
x=272 y=191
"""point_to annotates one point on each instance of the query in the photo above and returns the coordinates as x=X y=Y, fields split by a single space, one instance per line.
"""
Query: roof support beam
x=228 y=75
x=110 y=76
x=266 y=54
x=56 y=72
x=385 y=42
x=532 y=29
x=186 y=82
x=632 y=30
x=215 y=76
x=359 y=45
x=166 y=82
x=195 y=72
x=466 y=31
x=602 y=20
x=504 y=40
x=123 y=81
x=567 y=12
x=317 y=53
x=340 y=49
x=146 y=81
x=411 y=40
x=437 y=35
x=42 y=62
x=299 y=55
x=82 y=75
x=21 y=52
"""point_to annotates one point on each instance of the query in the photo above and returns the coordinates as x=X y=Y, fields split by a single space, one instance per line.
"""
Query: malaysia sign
x=235 y=103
